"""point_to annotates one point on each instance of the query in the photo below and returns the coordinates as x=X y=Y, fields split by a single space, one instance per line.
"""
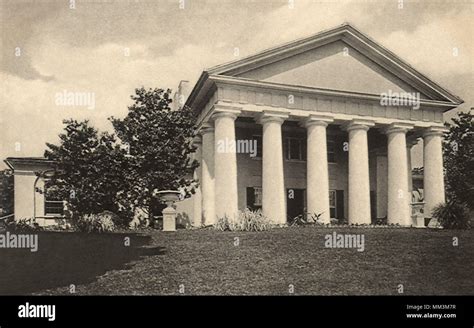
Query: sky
x=109 y=48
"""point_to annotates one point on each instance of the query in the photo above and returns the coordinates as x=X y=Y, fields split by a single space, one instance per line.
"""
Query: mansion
x=329 y=142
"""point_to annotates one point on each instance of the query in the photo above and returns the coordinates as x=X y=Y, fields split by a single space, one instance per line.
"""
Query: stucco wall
x=25 y=196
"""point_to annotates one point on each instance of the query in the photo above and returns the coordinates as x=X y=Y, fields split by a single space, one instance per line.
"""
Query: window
x=295 y=149
x=258 y=196
x=331 y=149
x=332 y=203
x=254 y=198
x=52 y=206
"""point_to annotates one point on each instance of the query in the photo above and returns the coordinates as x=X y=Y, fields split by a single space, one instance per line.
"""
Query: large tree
x=160 y=142
x=6 y=192
x=89 y=170
x=458 y=151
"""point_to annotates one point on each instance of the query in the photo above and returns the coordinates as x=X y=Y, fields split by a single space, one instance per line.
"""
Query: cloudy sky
x=111 y=47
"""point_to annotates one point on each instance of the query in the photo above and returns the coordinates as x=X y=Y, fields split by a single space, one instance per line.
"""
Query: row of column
x=218 y=195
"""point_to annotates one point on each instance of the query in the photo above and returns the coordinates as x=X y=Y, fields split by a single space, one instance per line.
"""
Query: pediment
x=334 y=66
x=341 y=59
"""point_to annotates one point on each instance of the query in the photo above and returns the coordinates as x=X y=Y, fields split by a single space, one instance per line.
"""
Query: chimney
x=181 y=94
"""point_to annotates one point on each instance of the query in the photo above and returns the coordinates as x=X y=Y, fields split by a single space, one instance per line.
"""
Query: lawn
x=279 y=261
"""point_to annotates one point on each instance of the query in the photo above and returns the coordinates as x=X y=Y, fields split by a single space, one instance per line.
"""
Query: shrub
x=452 y=215
x=103 y=222
x=253 y=221
x=183 y=221
x=222 y=224
x=381 y=221
x=305 y=219
x=246 y=220
x=22 y=225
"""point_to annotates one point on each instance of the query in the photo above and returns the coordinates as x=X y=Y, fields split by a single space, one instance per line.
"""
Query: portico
x=342 y=150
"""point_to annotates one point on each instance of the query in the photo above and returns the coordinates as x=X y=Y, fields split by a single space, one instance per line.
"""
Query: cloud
x=109 y=71
x=441 y=47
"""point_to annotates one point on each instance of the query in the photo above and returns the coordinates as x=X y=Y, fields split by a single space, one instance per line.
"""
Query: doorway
x=295 y=202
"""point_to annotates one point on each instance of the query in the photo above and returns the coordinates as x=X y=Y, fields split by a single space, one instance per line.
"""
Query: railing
x=7 y=216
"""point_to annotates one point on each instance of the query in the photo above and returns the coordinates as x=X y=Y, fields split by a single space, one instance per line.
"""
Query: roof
x=13 y=161
x=345 y=32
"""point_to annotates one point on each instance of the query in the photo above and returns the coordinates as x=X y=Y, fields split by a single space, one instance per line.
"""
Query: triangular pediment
x=342 y=59
x=335 y=66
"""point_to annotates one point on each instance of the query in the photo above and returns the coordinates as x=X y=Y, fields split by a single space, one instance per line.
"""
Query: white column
x=207 y=175
x=317 y=174
x=225 y=164
x=410 y=144
x=197 y=197
x=273 y=183
x=433 y=178
x=359 y=186
x=398 y=209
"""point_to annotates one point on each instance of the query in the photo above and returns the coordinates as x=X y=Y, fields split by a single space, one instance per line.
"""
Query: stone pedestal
x=418 y=218
x=169 y=219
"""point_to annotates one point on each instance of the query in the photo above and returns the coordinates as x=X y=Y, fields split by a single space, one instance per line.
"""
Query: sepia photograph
x=279 y=148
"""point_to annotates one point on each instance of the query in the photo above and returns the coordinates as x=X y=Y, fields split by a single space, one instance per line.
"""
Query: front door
x=295 y=202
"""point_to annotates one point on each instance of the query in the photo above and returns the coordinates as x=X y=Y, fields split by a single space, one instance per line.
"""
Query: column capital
x=359 y=124
x=272 y=116
x=398 y=127
x=206 y=127
x=314 y=119
x=434 y=130
x=231 y=113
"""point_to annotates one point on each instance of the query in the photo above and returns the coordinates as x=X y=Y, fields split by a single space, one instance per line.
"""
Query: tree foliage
x=89 y=170
x=160 y=141
x=458 y=151
x=6 y=192
x=150 y=151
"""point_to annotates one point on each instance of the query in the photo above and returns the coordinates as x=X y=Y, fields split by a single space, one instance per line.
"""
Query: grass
x=205 y=261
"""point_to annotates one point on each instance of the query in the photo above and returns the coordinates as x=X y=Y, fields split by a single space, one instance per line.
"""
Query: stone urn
x=169 y=213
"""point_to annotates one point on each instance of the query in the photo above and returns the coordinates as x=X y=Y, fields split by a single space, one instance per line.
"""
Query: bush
x=222 y=224
x=306 y=219
x=452 y=215
x=247 y=220
x=22 y=225
x=381 y=221
x=103 y=222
